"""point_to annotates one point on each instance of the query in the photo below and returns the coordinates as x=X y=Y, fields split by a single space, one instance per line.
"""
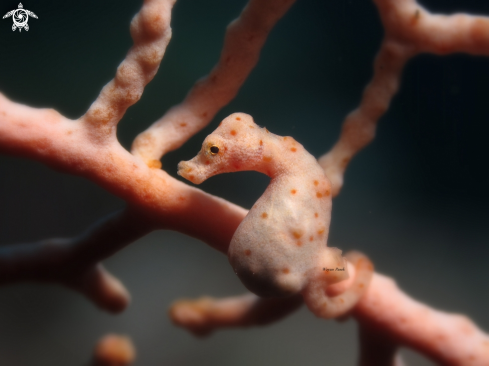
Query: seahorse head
x=236 y=145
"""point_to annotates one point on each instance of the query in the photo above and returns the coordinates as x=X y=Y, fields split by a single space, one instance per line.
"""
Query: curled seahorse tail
x=327 y=307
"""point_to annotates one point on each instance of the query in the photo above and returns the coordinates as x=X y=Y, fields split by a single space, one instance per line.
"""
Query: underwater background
x=416 y=200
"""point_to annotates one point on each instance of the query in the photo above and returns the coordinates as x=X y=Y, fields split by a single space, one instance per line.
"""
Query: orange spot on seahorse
x=264 y=215
x=233 y=132
x=297 y=234
x=293 y=149
x=293 y=191
x=247 y=252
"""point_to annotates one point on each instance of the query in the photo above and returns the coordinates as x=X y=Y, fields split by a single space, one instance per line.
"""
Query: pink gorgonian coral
x=88 y=147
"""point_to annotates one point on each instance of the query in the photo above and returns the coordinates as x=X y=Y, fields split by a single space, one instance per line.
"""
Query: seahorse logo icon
x=20 y=17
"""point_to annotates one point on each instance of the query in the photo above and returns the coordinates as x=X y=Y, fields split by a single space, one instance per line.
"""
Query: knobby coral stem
x=409 y=30
x=205 y=315
x=244 y=40
x=151 y=33
x=359 y=126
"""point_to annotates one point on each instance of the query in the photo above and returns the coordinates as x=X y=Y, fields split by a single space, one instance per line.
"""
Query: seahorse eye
x=214 y=150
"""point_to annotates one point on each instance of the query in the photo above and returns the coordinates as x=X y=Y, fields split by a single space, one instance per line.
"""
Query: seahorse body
x=280 y=249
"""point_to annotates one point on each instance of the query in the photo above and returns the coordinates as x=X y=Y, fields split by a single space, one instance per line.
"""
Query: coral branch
x=46 y=136
x=409 y=30
x=409 y=24
x=387 y=317
x=242 y=45
x=448 y=339
x=359 y=126
x=151 y=32
x=205 y=315
x=74 y=262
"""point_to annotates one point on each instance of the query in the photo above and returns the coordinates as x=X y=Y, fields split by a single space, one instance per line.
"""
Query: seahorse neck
x=283 y=157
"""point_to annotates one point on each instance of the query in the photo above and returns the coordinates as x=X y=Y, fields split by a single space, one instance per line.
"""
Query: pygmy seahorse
x=280 y=248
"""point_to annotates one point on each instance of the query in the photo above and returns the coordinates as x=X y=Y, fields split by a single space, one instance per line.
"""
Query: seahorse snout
x=196 y=170
x=190 y=171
